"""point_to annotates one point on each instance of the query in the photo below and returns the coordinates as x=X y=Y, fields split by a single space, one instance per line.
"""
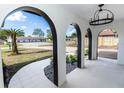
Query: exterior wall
x=1 y=73
x=61 y=19
x=95 y=32
x=120 y=29
x=86 y=42
x=94 y=43
x=117 y=25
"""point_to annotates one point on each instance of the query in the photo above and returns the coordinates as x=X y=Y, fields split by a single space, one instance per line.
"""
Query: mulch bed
x=49 y=71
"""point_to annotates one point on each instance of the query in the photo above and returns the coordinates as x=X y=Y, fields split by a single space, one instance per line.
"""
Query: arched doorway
x=31 y=38
x=88 y=44
x=73 y=47
x=108 y=44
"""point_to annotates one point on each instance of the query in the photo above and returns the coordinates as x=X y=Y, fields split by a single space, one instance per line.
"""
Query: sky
x=71 y=29
x=28 y=22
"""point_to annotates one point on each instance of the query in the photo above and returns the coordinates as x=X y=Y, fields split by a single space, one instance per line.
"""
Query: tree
x=38 y=32
x=49 y=34
x=13 y=33
x=73 y=35
x=3 y=37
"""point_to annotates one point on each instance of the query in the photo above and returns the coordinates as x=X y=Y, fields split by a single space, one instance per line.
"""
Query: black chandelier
x=102 y=16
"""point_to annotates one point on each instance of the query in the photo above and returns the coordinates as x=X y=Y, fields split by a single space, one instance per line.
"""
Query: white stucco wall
x=1 y=72
x=95 y=31
x=117 y=25
x=61 y=19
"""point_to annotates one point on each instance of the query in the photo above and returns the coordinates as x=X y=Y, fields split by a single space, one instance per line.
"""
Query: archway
x=88 y=44
x=73 y=47
x=108 y=44
x=53 y=35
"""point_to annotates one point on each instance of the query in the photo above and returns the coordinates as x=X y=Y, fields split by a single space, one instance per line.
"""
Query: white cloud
x=48 y=28
x=17 y=16
x=23 y=27
x=70 y=30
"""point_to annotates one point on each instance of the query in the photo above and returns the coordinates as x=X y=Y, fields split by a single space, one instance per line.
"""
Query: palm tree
x=13 y=33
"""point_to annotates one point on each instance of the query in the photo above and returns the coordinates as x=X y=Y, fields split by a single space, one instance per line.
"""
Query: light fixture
x=102 y=16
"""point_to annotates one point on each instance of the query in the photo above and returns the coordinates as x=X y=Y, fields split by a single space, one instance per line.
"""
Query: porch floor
x=101 y=73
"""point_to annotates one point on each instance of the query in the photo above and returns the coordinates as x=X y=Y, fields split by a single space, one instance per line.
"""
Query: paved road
x=68 y=49
x=41 y=47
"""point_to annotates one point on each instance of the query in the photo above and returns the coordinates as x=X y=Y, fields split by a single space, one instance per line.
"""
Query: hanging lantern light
x=102 y=16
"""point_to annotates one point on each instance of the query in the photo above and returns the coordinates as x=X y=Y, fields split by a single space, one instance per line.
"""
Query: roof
x=107 y=32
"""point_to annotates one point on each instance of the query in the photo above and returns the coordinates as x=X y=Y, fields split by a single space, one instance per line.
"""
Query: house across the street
x=30 y=39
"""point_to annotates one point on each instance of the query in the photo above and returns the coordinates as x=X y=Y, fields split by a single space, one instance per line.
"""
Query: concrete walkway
x=32 y=76
x=102 y=73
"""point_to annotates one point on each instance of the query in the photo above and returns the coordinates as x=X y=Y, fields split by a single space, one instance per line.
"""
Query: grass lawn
x=26 y=55
x=12 y=63
x=6 y=46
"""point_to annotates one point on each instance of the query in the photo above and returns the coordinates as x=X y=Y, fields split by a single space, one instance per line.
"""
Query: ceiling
x=87 y=10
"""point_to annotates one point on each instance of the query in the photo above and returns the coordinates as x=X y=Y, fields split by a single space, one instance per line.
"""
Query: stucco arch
x=89 y=34
x=79 y=45
x=99 y=34
x=53 y=30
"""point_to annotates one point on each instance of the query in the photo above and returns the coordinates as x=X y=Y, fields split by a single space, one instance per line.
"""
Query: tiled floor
x=32 y=76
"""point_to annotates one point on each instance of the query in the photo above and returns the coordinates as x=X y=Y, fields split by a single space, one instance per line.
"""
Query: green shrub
x=86 y=52
x=71 y=58
x=67 y=58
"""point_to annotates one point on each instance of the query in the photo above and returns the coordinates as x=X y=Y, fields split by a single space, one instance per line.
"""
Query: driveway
x=108 y=53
